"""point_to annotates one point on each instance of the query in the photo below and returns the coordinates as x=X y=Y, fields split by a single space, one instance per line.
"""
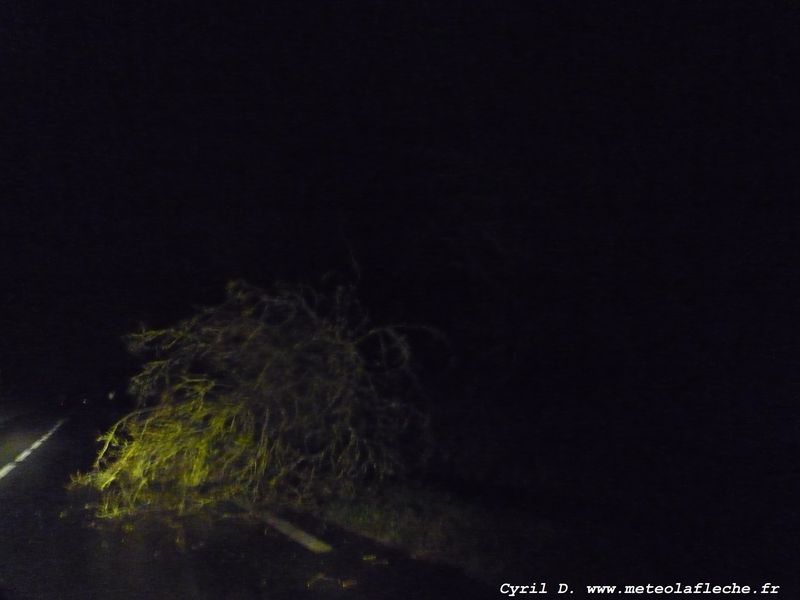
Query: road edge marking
x=29 y=450
x=307 y=540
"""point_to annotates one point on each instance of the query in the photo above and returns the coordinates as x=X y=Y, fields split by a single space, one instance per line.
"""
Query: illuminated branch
x=282 y=396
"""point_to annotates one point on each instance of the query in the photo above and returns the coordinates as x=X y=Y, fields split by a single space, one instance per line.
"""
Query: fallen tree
x=281 y=396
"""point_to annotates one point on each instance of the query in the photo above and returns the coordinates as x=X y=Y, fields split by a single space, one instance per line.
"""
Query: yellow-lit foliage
x=282 y=396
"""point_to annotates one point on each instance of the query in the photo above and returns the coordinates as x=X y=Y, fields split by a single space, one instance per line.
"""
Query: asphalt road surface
x=51 y=548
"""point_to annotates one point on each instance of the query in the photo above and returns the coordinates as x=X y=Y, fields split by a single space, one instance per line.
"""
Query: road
x=51 y=548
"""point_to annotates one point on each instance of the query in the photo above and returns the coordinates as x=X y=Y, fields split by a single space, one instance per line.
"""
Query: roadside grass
x=438 y=526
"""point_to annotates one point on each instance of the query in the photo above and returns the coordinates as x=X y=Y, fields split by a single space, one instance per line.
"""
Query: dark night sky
x=619 y=172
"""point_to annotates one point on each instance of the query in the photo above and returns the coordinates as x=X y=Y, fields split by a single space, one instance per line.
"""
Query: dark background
x=594 y=201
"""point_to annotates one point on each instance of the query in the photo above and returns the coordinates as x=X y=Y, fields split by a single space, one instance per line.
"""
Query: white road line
x=23 y=455
x=298 y=535
x=27 y=452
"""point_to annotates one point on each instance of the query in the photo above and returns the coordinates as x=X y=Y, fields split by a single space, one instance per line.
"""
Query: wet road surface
x=51 y=548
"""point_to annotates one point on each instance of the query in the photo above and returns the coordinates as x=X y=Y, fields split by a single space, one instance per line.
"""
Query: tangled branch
x=282 y=396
